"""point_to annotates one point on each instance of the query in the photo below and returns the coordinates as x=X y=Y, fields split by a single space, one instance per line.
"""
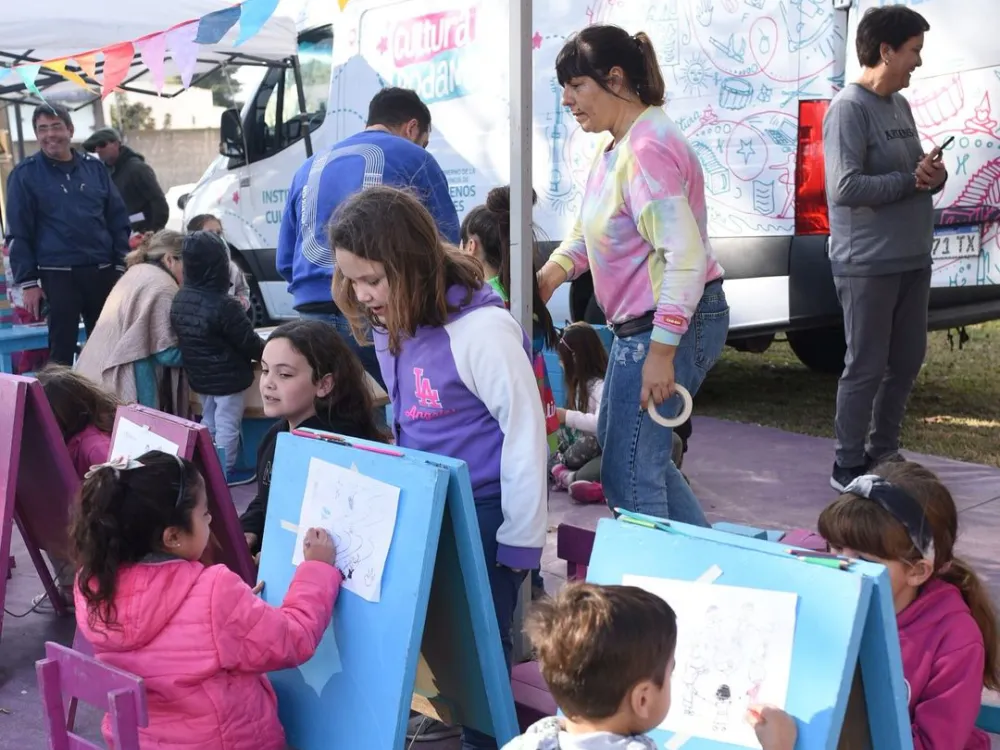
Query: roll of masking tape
x=681 y=418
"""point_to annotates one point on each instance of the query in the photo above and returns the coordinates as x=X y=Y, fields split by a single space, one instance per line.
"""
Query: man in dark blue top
x=391 y=150
x=68 y=230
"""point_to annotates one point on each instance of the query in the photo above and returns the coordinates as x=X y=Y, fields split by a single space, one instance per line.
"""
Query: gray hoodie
x=879 y=222
x=547 y=734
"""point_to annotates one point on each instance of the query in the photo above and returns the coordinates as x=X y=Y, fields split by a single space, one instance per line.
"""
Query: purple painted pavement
x=742 y=473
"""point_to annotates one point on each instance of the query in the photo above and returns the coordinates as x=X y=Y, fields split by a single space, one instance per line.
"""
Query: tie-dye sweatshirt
x=642 y=229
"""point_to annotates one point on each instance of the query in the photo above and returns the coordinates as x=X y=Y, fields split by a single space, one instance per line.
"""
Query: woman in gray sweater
x=879 y=184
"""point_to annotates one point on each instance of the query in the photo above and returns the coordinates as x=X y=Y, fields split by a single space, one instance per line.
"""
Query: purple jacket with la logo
x=467 y=390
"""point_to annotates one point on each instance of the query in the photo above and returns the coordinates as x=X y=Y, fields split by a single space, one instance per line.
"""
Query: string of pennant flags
x=181 y=42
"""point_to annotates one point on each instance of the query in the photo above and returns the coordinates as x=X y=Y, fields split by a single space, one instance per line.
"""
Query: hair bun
x=498 y=200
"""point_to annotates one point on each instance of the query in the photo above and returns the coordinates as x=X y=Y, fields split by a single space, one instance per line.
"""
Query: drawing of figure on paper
x=360 y=514
x=734 y=649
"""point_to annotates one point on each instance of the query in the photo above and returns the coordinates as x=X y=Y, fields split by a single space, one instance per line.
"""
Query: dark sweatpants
x=72 y=294
x=885 y=323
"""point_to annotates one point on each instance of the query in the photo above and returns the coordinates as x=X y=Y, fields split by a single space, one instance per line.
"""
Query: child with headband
x=199 y=637
x=903 y=517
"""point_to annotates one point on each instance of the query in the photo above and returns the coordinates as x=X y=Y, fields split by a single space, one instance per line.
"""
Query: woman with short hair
x=879 y=184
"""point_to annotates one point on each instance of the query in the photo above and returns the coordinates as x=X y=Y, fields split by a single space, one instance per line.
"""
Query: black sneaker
x=425 y=729
x=844 y=475
x=892 y=457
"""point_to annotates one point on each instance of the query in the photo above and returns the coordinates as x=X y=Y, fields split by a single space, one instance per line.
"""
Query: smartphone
x=942 y=147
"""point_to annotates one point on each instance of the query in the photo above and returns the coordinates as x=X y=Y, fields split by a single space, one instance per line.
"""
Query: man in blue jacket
x=391 y=150
x=68 y=230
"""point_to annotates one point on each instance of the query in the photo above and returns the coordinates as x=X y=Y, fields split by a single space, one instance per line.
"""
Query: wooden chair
x=63 y=671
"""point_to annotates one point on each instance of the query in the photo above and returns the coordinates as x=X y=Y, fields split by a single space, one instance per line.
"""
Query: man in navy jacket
x=391 y=150
x=67 y=229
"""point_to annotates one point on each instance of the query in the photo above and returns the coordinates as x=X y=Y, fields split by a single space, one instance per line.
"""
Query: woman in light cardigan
x=133 y=350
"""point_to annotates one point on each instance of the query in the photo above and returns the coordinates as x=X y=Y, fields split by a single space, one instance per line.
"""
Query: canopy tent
x=84 y=28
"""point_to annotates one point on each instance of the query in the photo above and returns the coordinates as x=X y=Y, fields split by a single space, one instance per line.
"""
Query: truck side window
x=275 y=123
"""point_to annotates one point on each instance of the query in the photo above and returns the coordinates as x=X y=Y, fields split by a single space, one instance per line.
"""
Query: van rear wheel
x=258 y=310
x=820 y=349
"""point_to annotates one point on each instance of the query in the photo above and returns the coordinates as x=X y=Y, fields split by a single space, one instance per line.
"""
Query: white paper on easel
x=734 y=649
x=360 y=514
x=132 y=440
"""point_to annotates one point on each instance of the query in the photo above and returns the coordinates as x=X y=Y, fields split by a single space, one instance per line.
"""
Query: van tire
x=258 y=310
x=820 y=349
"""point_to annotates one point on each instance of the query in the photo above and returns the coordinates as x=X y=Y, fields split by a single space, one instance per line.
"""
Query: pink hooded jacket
x=202 y=642
x=87 y=448
x=943 y=661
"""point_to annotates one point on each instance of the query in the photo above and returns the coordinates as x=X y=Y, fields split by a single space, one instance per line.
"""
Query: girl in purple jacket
x=457 y=367
x=902 y=516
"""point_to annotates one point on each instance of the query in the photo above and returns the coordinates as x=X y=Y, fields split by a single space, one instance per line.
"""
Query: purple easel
x=38 y=483
x=195 y=444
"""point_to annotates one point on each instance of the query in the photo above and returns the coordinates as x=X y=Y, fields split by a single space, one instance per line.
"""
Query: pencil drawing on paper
x=359 y=513
x=734 y=650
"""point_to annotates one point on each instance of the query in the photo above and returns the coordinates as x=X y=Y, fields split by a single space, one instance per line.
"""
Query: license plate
x=963 y=241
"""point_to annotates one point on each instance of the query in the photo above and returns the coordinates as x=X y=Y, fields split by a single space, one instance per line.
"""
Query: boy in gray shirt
x=879 y=185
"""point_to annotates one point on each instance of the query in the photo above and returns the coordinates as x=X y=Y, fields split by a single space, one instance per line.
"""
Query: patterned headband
x=898 y=503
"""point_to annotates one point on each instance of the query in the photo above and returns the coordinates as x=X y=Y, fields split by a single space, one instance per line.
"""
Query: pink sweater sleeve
x=252 y=636
x=944 y=716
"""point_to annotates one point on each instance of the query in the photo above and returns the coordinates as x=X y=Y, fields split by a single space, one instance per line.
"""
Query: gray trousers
x=885 y=323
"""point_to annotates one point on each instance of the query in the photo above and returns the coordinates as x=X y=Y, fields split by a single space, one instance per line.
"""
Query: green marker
x=826 y=562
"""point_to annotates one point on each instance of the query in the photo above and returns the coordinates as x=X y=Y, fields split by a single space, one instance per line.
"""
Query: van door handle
x=244 y=182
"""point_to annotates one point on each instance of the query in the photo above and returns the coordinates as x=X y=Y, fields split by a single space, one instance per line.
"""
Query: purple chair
x=64 y=671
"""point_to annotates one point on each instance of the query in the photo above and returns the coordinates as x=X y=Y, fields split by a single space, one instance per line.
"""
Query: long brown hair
x=852 y=522
x=350 y=400
x=77 y=401
x=391 y=226
x=490 y=223
x=583 y=358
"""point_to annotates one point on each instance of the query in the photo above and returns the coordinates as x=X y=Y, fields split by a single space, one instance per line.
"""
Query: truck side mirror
x=231 y=134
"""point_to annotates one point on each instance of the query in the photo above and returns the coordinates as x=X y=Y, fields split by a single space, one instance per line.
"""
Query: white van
x=748 y=81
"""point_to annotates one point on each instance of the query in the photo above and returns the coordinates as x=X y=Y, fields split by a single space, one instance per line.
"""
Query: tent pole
x=522 y=245
x=306 y=135
x=20 y=131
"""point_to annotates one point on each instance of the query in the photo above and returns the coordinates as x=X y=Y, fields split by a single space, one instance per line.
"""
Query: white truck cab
x=748 y=81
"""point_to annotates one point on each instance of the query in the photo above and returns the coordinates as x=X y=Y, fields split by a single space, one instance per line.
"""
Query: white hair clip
x=118 y=465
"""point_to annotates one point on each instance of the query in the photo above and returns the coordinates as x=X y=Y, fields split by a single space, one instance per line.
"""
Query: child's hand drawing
x=318 y=545
x=775 y=729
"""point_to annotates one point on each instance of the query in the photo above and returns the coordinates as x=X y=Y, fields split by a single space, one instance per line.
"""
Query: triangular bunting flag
x=342 y=3
x=28 y=75
x=59 y=66
x=214 y=26
x=152 y=50
x=4 y=72
x=117 y=63
x=184 y=51
x=253 y=15
x=88 y=64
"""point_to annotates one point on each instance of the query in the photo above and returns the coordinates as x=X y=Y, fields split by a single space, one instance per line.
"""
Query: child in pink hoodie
x=85 y=413
x=902 y=516
x=199 y=637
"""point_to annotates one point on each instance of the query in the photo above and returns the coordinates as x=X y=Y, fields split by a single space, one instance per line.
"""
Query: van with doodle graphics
x=748 y=81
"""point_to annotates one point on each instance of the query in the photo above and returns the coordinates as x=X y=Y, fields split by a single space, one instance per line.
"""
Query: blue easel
x=430 y=642
x=844 y=621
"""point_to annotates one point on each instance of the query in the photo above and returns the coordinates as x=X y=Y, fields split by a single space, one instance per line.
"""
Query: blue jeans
x=223 y=416
x=365 y=353
x=637 y=471
x=505 y=585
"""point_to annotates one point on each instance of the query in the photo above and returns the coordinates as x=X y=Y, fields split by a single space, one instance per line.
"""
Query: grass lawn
x=954 y=410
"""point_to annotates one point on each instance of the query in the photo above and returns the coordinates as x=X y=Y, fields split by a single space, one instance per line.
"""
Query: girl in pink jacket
x=902 y=516
x=199 y=637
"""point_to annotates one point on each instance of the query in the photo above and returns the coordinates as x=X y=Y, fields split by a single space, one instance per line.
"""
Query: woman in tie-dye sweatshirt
x=642 y=234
